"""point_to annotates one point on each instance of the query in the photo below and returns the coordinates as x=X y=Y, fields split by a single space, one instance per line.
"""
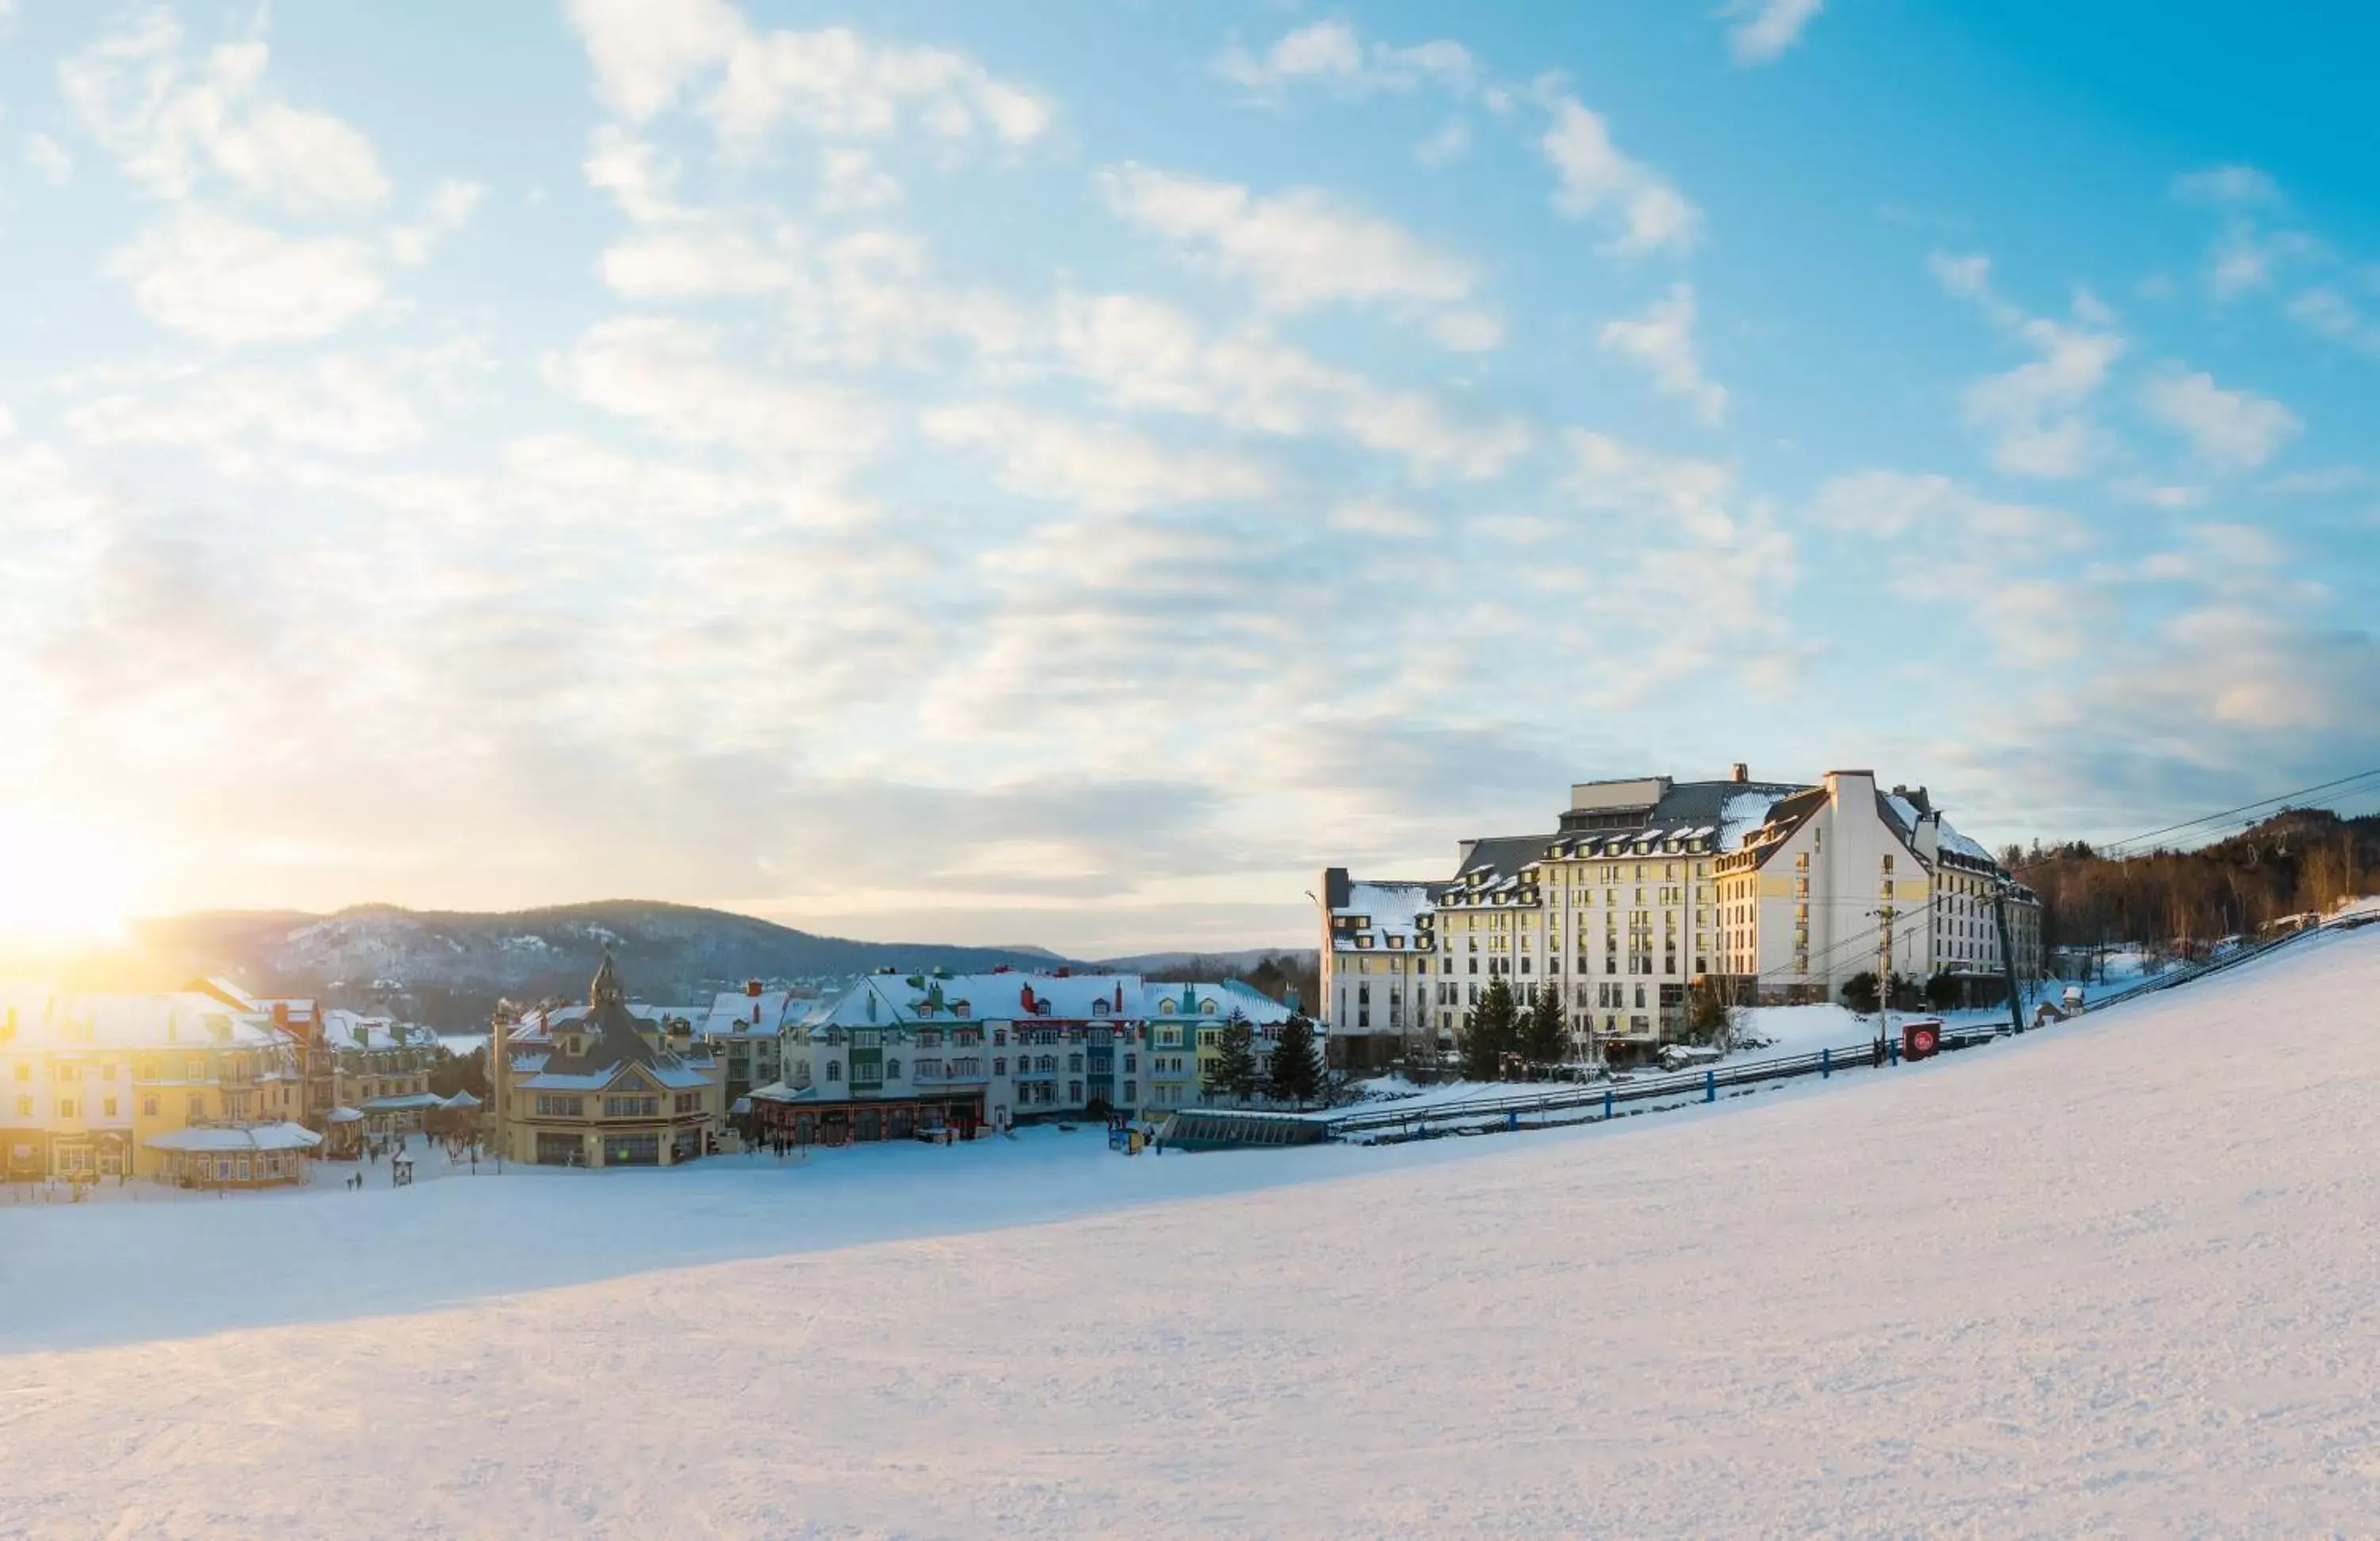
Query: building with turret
x=606 y=1085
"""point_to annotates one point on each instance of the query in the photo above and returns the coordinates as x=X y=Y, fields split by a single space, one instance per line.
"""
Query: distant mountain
x=1223 y=962
x=448 y=968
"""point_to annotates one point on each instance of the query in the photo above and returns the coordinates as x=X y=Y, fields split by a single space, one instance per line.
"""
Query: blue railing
x=1398 y=1121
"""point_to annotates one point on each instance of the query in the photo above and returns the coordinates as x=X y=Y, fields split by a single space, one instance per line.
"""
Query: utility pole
x=1883 y=988
x=2008 y=956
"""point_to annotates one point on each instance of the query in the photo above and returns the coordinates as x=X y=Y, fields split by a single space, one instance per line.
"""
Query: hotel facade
x=1649 y=887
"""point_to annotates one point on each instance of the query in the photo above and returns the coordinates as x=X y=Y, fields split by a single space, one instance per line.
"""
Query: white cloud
x=1690 y=495
x=832 y=82
x=2327 y=313
x=851 y=182
x=1152 y=357
x=347 y=405
x=2229 y=430
x=1102 y=467
x=1374 y=517
x=1298 y=250
x=1445 y=147
x=2226 y=186
x=1332 y=55
x=1662 y=343
x=1767 y=27
x=2037 y=417
x=220 y=281
x=669 y=376
x=167 y=121
x=1595 y=178
x=2172 y=498
x=450 y=206
x=1947 y=548
x=49 y=160
x=697 y=262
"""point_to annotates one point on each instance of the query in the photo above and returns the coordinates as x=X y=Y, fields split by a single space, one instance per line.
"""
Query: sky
x=1067 y=472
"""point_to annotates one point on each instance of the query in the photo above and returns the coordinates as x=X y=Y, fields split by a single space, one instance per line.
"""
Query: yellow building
x=606 y=1085
x=174 y=1085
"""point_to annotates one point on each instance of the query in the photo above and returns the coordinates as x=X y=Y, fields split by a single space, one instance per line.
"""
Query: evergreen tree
x=1296 y=1075
x=1707 y=1019
x=1233 y=1071
x=1494 y=1025
x=1544 y=1035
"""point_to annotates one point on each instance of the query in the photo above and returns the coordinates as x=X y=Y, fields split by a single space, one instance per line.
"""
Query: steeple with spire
x=607 y=984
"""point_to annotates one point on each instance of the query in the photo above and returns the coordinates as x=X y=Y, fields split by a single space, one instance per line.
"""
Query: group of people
x=461 y=1150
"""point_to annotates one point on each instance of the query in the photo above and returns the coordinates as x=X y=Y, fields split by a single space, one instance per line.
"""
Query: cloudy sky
x=1066 y=471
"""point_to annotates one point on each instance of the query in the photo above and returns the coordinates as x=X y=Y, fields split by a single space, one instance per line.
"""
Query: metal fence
x=1395 y=1121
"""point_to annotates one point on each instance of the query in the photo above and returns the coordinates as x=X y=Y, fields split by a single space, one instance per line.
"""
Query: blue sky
x=1067 y=472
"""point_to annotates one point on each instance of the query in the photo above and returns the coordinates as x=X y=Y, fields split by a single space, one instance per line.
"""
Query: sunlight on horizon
x=68 y=882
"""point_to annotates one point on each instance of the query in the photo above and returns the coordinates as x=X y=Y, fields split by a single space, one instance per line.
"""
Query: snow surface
x=2121 y=1277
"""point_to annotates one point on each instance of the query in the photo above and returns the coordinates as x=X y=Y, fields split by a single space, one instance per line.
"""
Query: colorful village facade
x=902 y=1056
x=175 y=1086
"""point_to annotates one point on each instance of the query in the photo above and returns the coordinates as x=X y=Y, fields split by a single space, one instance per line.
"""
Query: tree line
x=2299 y=860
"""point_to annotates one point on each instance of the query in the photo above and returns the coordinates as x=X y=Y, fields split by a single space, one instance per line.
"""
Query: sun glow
x=60 y=881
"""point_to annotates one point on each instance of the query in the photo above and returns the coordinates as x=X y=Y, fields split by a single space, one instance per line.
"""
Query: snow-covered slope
x=2118 y=1278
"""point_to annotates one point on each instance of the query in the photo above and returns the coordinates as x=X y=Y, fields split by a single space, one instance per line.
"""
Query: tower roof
x=607 y=983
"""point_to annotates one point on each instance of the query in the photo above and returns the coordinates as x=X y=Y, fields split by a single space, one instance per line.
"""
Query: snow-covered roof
x=260 y=1137
x=343 y=1115
x=742 y=1011
x=670 y=1076
x=405 y=1104
x=1166 y=998
x=162 y=1019
x=345 y=1029
x=1389 y=907
x=924 y=1000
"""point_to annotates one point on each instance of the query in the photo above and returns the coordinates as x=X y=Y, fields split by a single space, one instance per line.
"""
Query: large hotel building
x=1763 y=892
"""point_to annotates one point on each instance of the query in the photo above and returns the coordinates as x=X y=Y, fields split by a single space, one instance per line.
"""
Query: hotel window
x=835 y=1070
x=198 y=1104
x=149 y=1106
x=194 y=1070
x=24 y=1107
x=65 y=1107
x=107 y=1107
x=1000 y=1064
x=892 y=1070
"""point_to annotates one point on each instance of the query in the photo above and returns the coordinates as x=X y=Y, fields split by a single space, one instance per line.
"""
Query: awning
x=343 y=1115
x=405 y=1104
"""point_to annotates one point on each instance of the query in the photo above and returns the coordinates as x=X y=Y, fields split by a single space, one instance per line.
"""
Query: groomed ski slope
x=2123 y=1277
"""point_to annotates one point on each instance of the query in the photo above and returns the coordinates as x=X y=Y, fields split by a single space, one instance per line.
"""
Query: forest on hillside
x=2299 y=860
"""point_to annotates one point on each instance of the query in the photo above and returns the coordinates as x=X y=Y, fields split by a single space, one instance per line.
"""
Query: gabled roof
x=616 y=1040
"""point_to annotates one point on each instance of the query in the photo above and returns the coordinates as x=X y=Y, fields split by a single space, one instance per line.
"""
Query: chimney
x=752 y=989
x=1739 y=773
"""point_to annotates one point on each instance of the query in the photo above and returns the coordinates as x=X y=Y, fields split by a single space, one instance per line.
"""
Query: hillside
x=448 y=967
x=2299 y=859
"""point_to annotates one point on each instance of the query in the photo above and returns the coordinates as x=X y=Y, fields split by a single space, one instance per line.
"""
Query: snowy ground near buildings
x=2121 y=1277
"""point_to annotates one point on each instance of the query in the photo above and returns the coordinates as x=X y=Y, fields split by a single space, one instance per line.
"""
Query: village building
x=1648 y=889
x=177 y=1086
x=380 y=1070
x=606 y=1085
x=903 y=1055
x=1187 y=1019
x=746 y=1031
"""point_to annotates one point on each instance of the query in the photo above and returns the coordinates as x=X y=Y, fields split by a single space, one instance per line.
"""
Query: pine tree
x=1545 y=1036
x=1296 y=1075
x=1494 y=1024
x=1234 y=1070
